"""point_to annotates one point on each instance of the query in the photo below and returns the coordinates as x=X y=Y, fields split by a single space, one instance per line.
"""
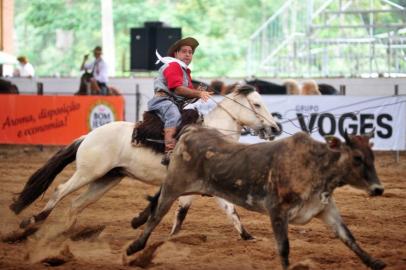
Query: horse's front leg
x=332 y=217
x=229 y=208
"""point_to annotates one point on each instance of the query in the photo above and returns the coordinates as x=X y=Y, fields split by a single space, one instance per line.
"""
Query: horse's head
x=250 y=111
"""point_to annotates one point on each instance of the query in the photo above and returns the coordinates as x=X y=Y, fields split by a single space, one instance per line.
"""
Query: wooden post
x=137 y=102
x=40 y=88
x=396 y=94
x=342 y=90
x=88 y=88
x=40 y=92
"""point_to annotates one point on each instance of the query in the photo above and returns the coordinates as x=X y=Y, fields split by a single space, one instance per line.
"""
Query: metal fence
x=316 y=38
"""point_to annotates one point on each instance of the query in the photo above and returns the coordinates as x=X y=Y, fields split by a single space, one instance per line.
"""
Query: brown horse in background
x=7 y=87
x=87 y=80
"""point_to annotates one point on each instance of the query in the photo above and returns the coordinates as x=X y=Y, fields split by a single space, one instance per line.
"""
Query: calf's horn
x=346 y=137
x=370 y=134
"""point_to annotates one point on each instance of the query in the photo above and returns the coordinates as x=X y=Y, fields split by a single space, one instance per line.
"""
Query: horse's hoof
x=246 y=236
x=25 y=223
x=135 y=247
x=18 y=236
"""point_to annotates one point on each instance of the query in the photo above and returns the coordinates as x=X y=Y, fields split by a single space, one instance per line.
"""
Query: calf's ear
x=333 y=142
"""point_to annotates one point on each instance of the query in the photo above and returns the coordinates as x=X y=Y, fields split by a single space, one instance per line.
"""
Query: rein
x=227 y=111
x=252 y=109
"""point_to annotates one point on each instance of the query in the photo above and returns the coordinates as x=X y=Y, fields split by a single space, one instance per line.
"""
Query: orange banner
x=55 y=120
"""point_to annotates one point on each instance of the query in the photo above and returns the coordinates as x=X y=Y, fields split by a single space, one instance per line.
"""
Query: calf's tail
x=39 y=182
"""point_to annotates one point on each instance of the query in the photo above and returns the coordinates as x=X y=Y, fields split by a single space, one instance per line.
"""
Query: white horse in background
x=105 y=156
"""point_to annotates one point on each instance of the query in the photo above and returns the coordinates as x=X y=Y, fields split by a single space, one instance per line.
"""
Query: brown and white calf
x=292 y=180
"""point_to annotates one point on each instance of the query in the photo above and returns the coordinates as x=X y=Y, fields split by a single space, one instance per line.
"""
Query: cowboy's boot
x=170 y=142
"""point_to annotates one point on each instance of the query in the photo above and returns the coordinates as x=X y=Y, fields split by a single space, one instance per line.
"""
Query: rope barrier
x=291 y=120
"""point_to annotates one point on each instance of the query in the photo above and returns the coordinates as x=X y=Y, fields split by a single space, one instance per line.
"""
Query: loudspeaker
x=139 y=49
x=165 y=37
x=144 y=42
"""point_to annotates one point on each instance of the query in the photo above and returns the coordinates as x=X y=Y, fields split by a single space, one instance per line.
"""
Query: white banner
x=332 y=115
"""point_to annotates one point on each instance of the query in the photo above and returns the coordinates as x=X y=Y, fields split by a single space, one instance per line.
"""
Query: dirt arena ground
x=208 y=240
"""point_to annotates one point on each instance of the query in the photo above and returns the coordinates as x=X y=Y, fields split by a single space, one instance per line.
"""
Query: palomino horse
x=244 y=107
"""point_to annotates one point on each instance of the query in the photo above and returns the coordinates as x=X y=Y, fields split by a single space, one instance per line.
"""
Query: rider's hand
x=204 y=95
x=85 y=57
x=201 y=87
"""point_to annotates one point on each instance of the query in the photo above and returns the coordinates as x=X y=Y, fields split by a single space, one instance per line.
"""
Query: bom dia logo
x=101 y=113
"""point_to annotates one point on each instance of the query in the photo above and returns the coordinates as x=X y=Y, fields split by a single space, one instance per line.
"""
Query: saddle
x=150 y=131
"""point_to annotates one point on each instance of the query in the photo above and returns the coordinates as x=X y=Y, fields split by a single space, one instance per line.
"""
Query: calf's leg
x=142 y=217
x=279 y=222
x=165 y=202
x=332 y=217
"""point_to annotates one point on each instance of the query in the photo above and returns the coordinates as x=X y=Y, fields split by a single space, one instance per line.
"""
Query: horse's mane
x=149 y=132
x=245 y=89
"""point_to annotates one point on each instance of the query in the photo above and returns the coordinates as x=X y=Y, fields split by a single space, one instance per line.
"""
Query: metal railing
x=330 y=38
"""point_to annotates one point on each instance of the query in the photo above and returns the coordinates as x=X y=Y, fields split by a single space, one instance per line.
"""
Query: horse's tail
x=39 y=182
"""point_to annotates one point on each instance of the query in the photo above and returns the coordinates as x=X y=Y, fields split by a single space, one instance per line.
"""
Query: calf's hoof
x=135 y=247
x=378 y=265
x=246 y=235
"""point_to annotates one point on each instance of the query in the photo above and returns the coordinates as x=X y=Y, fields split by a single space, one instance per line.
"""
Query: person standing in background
x=24 y=68
x=99 y=70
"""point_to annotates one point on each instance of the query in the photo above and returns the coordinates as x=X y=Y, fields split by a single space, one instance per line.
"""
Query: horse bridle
x=252 y=108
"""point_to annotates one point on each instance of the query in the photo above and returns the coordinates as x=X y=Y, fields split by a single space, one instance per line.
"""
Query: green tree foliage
x=222 y=28
x=36 y=24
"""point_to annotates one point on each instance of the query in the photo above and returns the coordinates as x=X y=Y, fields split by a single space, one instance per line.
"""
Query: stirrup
x=166 y=158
